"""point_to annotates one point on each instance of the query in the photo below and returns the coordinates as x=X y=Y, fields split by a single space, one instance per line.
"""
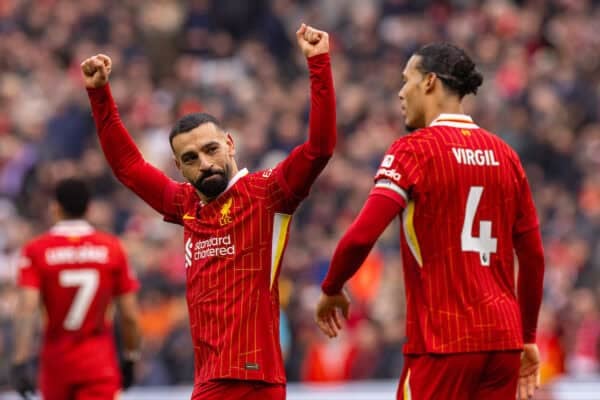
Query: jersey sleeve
x=27 y=274
x=125 y=159
x=125 y=281
x=398 y=173
x=297 y=173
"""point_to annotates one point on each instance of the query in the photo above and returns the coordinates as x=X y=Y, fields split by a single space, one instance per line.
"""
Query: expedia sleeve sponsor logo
x=388 y=173
x=77 y=255
x=219 y=246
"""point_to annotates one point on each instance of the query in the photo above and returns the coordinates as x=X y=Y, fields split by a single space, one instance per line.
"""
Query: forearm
x=530 y=254
x=25 y=324
x=130 y=329
x=118 y=147
x=355 y=245
x=132 y=337
x=322 y=120
x=122 y=154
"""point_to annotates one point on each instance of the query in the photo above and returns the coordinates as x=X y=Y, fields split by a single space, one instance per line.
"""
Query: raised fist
x=96 y=70
x=312 y=41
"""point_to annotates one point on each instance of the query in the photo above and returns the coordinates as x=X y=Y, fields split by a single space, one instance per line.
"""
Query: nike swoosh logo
x=188 y=216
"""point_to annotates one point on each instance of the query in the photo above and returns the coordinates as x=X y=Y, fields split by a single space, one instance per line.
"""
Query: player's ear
x=177 y=163
x=230 y=144
x=429 y=81
x=55 y=212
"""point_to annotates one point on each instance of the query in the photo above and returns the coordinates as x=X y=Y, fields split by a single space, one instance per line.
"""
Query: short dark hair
x=452 y=65
x=191 y=121
x=73 y=196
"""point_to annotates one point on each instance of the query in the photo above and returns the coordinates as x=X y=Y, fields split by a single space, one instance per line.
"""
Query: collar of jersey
x=72 y=227
x=240 y=174
x=455 y=121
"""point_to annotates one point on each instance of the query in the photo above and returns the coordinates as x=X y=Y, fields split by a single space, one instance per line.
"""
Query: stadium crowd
x=237 y=60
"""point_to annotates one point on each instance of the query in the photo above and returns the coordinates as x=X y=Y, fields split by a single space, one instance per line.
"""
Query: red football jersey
x=78 y=271
x=465 y=195
x=233 y=250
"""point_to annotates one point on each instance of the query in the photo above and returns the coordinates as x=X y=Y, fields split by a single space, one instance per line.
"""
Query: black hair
x=73 y=196
x=452 y=66
x=191 y=121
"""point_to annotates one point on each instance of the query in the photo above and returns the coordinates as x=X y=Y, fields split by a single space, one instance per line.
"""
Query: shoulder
x=106 y=238
x=413 y=141
x=262 y=177
x=38 y=243
x=263 y=173
x=503 y=146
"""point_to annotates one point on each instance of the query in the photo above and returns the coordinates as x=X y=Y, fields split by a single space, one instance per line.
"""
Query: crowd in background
x=238 y=60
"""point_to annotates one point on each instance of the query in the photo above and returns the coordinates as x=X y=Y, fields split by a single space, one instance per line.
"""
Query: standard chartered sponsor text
x=218 y=246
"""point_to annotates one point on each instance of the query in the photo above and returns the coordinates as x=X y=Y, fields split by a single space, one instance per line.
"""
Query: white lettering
x=470 y=157
x=458 y=153
x=219 y=246
x=389 y=173
x=77 y=255
x=474 y=157
x=493 y=159
x=480 y=157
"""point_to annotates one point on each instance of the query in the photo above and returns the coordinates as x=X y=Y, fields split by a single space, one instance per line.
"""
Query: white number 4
x=485 y=244
x=87 y=282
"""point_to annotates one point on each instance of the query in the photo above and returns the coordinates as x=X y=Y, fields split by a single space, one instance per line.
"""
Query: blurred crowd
x=238 y=61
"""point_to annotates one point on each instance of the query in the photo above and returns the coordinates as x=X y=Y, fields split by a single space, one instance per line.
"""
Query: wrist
x=318 y=56
x=329 y=290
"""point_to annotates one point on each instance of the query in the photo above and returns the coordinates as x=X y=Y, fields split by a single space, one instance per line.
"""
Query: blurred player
x=235 y=226
x=464 y=203
x=75 y=272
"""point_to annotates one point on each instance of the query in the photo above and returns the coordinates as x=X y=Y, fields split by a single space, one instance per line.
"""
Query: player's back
x=78 y=271
x=458 y=228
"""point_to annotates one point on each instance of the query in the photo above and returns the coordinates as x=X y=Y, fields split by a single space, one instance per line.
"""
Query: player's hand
x=23 y=380
x=529 y=374
x=127 y=373
x=327 y=316
x=96 y=70
x=312 y=41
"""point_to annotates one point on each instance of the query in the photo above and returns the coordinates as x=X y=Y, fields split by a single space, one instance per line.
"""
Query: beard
x=212 y=182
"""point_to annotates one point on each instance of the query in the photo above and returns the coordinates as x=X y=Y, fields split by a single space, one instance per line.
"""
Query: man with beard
x=235 y=225
x=465 y=204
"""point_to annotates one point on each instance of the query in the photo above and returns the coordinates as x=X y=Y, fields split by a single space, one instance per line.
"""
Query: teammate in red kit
x=465 y=204
x=235 y=226
x=75 y=272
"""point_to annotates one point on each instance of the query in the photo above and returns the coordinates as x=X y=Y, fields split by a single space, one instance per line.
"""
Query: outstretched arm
x=123 y=156
x=303 y=165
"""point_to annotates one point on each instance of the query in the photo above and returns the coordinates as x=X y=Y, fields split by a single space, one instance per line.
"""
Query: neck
x=448 y=105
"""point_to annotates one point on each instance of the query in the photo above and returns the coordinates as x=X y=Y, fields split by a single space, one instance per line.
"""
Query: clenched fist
x=96 y=70
x=312 y=41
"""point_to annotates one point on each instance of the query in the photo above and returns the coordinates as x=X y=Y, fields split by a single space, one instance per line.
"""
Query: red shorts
x=465 y=376
x=107 y=389
x=238 y=390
